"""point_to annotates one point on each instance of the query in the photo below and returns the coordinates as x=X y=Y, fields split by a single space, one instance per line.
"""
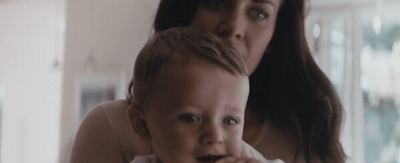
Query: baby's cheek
x=234 y=146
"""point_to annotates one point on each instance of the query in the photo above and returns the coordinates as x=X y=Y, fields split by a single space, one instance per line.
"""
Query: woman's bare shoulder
x=278 y=143
x=105 y=135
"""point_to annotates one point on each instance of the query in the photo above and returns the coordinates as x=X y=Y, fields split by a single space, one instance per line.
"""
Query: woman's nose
x=211 y=135
x=232 y=26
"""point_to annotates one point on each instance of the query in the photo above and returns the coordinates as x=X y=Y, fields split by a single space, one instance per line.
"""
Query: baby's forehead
x=178 y=64
x=197 y=83
x=190 y=72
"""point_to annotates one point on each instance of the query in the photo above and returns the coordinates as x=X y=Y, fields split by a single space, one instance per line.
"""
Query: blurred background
x=58 y=58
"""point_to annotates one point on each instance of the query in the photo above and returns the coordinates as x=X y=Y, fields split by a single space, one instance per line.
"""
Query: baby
x=189 y=97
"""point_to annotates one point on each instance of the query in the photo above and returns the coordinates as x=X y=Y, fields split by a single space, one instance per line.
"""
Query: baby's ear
x=138 y=122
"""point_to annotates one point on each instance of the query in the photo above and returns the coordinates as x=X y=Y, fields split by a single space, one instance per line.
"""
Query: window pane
x=380 y=70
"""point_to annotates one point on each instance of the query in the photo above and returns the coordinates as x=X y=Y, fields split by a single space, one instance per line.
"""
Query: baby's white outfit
x=247 y=151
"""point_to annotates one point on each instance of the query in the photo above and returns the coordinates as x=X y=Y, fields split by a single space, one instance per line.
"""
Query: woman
x=293 y=112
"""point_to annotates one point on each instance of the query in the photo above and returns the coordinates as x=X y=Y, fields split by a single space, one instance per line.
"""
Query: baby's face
x=196 y=113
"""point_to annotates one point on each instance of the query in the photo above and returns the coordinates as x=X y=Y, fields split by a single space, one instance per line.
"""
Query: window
x=380 y=83
x=358 y=47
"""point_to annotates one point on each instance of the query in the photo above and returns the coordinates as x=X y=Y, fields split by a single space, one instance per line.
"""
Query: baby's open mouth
x=210 y=158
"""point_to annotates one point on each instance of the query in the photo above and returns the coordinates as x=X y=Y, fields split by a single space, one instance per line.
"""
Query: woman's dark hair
x=288 y=88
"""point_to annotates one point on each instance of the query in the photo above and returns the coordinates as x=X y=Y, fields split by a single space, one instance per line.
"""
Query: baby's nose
x=211 y=135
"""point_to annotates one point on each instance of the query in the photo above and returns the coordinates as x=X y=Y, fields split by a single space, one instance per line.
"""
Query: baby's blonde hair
x=173 y=45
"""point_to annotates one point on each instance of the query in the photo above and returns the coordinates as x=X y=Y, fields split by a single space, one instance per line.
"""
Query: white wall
x=30 y=38
x=330 y=3
x=112 y=32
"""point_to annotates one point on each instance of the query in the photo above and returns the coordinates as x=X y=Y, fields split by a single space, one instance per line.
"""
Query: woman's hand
x=230 y=159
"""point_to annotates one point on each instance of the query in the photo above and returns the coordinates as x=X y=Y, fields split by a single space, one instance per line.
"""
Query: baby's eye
x=230 y=121
x=258 y=15
x=215 y=4
x=189 y=118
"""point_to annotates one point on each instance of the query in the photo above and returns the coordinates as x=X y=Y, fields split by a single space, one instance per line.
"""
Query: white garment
x=247 y=152
x=145 y=159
